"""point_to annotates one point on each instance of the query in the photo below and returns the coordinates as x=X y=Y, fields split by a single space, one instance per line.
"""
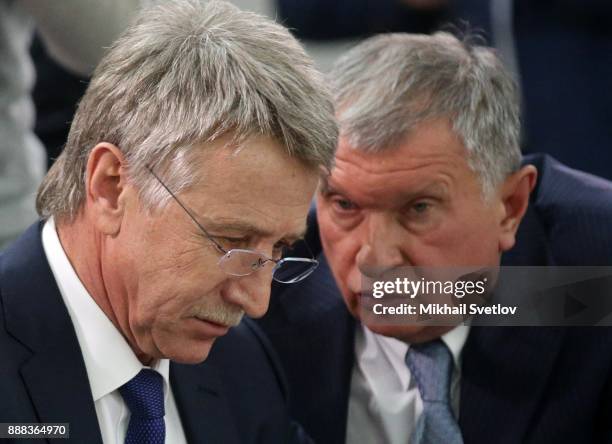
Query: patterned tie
x=431 y=365
x=144 y=395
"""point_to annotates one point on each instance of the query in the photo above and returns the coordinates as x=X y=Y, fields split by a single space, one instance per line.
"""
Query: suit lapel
x=316 y=306
x=504 y=375
x=55 y=375
x=204 y=411
x=61 y=393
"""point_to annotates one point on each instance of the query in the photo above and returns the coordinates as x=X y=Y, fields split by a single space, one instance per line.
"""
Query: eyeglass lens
x=245 y=262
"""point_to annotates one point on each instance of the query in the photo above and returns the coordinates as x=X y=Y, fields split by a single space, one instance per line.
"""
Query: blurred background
x=560 y=52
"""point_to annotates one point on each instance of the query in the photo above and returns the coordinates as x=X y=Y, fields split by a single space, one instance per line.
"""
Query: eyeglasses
x=241 y=262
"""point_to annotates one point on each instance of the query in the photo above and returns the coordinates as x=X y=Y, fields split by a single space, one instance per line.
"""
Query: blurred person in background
x=75 y=34
x=56 y=94
x=560 y=52
x=328 y=29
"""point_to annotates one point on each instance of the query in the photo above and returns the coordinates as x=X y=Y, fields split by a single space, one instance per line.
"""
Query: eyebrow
x=243 y=227
x=326 y=188
x=437 y=186
x=323 y=184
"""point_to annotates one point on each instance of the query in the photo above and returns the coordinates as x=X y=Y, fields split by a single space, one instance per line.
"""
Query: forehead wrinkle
x=379 y=164
x=241 y=212
x=248 y=228
x=380 y=196
x=429 y=145
x=232 y=224
x=440 y=186
x=374 y=188
x=368 y=175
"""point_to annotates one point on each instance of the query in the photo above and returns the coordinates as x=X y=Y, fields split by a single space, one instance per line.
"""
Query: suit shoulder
x=568 y=192
x=15 y=404
x=574 y=208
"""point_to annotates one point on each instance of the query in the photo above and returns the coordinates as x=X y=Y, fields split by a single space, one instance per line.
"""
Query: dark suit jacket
x=238 y=395
x=519 y=384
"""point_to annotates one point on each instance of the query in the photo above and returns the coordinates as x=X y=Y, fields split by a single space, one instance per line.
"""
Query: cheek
x=341 y=247
x=483 y=232
x=468 y=241
x=171 y=283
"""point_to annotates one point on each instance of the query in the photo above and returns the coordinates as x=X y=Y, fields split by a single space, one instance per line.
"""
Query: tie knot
x=144 y=394
x=431 y=364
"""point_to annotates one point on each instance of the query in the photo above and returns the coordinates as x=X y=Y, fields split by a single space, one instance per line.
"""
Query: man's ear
x=515 y=193
x=105 y=184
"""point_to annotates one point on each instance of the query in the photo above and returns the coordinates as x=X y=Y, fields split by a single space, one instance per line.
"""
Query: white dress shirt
x=384 y=401
x=109 y=360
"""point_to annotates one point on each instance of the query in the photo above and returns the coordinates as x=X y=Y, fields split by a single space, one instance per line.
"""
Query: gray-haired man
x=188 y=171
x=428 y=174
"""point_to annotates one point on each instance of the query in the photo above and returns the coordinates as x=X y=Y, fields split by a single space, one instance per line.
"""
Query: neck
x=85 y=248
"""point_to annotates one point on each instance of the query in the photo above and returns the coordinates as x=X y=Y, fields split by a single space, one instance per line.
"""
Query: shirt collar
x=380 y=353
x=109 y=360
x=455 y=340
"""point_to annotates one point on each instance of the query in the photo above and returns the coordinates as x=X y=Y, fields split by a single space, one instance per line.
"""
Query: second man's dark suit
x=518 y=384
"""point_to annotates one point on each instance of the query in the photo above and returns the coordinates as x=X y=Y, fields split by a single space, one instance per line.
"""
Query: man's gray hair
x=389 y=83
x=187 y=73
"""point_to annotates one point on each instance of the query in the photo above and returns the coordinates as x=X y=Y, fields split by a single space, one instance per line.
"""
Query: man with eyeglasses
x=241 y=262
x=181 y=192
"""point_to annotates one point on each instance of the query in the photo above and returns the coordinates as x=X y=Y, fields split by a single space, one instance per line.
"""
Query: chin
x=189 y=352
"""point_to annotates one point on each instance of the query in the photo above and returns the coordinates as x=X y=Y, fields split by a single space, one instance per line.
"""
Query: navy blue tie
x=431 y=365
x=144 y=396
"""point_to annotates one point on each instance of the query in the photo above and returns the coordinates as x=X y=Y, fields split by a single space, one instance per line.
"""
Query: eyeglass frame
x=226 y=253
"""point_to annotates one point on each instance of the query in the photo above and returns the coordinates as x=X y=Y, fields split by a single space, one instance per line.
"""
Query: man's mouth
x=210 y=327
x=210 y=321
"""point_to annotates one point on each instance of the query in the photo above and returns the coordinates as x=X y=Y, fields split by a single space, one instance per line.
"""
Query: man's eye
x=233 y=241
x=420 y=207
x=344 y=204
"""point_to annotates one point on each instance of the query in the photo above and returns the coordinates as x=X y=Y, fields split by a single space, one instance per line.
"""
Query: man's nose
x=382 y=246
x=252 y=292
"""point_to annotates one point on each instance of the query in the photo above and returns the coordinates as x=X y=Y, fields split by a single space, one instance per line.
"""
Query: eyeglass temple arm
x=186 y=210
